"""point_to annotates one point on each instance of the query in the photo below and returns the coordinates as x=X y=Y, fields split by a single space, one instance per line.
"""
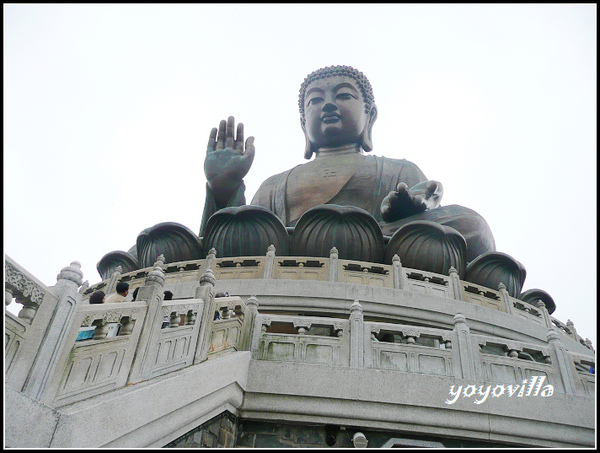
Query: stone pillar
x=357 y=347
x=152 y=293
x=398 y=273
x=333 y=265
x=456 y=285
x=206 y=292
x=562 y=361
x=464 y=348
x=269 y=262
x=505 y=297
x=66 y=289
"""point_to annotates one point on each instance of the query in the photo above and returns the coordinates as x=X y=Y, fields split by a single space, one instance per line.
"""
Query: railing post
x=399 y=275
x=357 y=353
x=542 y=307
x=571 y=326
x=269 y=262
x=464 y=348
x=206 y=292
x=333 y=265
x=152 y=293
x=111 y=286
x=66 y=289
x=505 y=297
x=210 y=260
x=455 y=279
x=252 y=304
x=565 y=367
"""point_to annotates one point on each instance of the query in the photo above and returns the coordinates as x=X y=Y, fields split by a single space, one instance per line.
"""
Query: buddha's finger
x=249 y=153
x=221 y=135
x=212 y=141
x=239 y=138
x=229 y=140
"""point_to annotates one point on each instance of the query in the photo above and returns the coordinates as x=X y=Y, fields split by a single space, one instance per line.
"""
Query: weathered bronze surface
x=338 y=111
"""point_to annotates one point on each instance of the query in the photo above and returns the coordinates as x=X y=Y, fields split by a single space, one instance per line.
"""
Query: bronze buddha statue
x=337 y=110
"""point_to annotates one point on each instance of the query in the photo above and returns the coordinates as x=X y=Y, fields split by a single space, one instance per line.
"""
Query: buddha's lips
x=330 y=118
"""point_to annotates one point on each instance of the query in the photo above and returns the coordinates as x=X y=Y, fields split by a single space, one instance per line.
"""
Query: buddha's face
x=334 y=110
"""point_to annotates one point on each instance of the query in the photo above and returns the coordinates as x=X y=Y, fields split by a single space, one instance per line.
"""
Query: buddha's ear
x=367 y=134
x=308 y=149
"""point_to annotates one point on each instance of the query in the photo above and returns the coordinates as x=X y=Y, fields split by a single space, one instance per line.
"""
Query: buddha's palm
x=404 y=202
x=228 y=159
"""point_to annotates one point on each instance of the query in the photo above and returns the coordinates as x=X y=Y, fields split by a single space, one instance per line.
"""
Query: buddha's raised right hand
x=227 y=159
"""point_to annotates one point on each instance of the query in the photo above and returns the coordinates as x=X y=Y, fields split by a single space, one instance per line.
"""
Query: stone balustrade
x=101 y=363
x=49 y=357
x=417 y=349
x=334 y=269
x=304 y=339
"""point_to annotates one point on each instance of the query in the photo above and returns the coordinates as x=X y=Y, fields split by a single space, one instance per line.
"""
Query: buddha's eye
x=314 y=100
x=345 y=96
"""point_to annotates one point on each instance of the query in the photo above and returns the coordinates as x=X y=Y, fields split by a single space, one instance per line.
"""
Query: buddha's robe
x=366 y=189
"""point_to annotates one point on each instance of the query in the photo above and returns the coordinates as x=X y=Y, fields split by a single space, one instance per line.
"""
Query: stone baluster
x=27 y=313
x=545 y=315
x=562 y=360
x=456 y=285
x=153 y=294
x=399 y=275
x=206 y=292
x=8 y=296
x=174 y=319
x=464 y=349
x=190 y=318
x=505 y=297
x=269 y=262
x=127 y=324
x=334 y=265
x=39 y=384
x=356 y=336
x=101 y=329
x=302 y=326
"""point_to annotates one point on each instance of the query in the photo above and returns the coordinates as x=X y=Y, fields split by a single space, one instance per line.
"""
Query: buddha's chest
x=317 y=182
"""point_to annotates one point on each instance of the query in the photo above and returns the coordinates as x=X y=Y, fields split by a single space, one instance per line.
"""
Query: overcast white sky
x=108 y=109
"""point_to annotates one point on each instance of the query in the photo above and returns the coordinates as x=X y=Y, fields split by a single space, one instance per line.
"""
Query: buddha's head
x=337 y=108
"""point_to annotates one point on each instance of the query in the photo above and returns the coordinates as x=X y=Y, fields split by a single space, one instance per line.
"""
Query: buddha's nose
x=329 y=106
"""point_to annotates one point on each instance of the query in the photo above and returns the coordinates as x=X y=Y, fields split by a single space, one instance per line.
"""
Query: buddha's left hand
x=404 y=202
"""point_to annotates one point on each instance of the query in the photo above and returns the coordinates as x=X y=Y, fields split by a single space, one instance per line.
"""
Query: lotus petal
x=428 y=246
x=245 y=231
x=531 y=296
x=172 y=240
x=353 y=231
x=109 y=262
x=493 y=268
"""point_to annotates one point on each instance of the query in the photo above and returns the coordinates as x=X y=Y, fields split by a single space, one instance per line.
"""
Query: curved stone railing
x=333 y=269
x=458 y=353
